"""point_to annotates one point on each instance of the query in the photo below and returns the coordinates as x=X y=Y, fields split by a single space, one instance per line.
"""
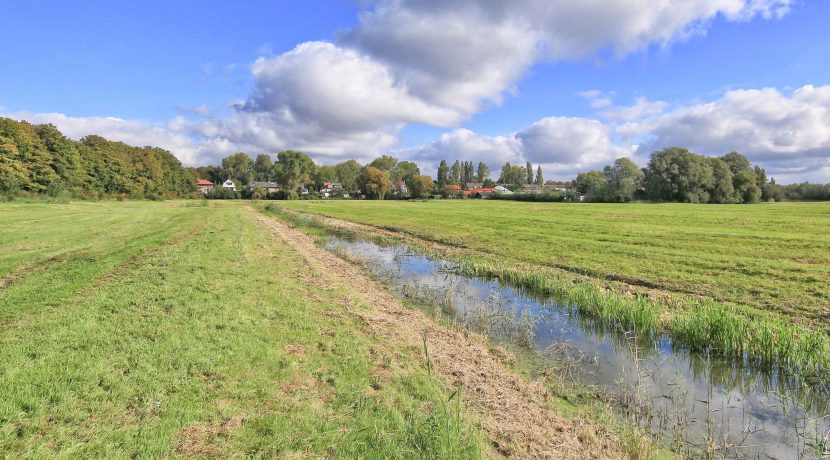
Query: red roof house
x=204 y=186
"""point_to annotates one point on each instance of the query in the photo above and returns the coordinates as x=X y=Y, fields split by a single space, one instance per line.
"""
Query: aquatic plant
x=699 y=325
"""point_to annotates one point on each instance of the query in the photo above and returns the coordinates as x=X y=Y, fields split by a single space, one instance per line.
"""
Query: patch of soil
x=294 y=350
x=200 y=440
x=514 y=412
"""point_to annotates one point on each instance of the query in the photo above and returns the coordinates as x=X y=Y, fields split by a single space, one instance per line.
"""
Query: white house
x=502 y=189
x=229 y=184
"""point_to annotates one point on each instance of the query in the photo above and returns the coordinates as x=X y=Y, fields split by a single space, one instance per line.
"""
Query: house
x=229 y=185
x=480 y=192
x=472 y=185
x=269 y=187
x=204 y=186
x=399 y=188
x=558 y=186
x=531 y=188
x=329 y=187
x=502 y=189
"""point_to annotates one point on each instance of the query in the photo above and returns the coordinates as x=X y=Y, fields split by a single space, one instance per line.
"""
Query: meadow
x=149 y=330
x=769 y=257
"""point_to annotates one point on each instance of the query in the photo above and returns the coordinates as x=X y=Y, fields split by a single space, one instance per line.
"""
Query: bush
x=551 y=197
x=221 y=193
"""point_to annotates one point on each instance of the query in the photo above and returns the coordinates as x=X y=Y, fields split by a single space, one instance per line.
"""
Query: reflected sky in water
x=760 y=413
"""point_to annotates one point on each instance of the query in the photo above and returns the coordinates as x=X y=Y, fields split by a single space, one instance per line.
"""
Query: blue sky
x=569 y=87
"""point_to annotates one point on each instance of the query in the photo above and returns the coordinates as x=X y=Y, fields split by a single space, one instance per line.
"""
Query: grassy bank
x=772 y=257
x=149 y=330
x=696 y=323
x=508 y=338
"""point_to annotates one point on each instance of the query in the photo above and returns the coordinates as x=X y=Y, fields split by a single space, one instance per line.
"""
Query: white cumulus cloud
x=789 y=133
x=562 y=145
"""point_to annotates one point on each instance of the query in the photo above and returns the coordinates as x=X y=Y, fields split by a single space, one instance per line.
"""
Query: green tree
x=295 y=168
x=30 y=154
x=540 y=180
x=529 y=172
x=66 y=158
x=12 y=169
x=622 y=180
x=348 y=174
x=676 y=174
x=746 y=187
x=42 y=160
x=404 y=171
x=455 y=172
x=483 y=172
x=469 y=172
x=744 y=181
x=420 y=186
x=592 y=184
x=325 y=174
x=262 y=168
x=443 y=174
x=238 y=167
x=761 y=180
x=737 y=162
x=513 y=176
x=375 y=183
x=384 y=163
x=722 y=188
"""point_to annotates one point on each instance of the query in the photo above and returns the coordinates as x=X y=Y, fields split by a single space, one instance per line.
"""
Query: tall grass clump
x=702 y=326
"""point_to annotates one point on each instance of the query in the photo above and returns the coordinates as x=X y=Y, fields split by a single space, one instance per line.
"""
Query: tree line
x=39 y=159
x=676 y=174
x=292 y=170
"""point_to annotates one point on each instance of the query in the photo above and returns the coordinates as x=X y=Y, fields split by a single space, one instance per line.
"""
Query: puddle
x=691 y=399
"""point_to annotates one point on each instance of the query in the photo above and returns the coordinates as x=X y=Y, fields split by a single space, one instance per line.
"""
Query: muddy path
x=515 y=413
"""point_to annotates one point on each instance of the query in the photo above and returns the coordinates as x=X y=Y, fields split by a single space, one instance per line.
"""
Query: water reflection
x=724 y=406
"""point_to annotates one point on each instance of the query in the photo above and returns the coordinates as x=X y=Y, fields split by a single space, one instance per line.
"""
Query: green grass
x=769 y=256
x=757 y=334
x=146 y=330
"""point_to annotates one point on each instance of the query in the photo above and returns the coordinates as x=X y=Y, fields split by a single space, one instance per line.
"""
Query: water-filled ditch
x=689 y=400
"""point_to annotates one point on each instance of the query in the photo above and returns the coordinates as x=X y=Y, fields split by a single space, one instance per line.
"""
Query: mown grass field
x=773 y=257
x=149 y=330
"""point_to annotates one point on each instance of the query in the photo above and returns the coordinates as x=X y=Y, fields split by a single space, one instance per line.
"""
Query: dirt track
x=515 y=413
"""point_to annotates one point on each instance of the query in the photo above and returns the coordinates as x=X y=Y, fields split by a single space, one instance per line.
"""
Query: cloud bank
x=440 y=62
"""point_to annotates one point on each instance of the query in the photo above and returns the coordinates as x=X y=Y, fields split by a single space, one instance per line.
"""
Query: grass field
x=772 y=257
x=148 y=330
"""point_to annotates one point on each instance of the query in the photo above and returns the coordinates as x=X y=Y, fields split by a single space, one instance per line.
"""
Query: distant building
x=330 y=187
x=204 y=186
x=480 y=192
x=531 y=188
x=502 y=189
x=473 y=185
x=558 y=186
x=229 y=185
x=399 y=188
x=269 y=187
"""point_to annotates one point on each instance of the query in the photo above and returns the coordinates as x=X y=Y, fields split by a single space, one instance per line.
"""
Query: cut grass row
x=567 y=398
x=198 y=337
x=772 y=257
x=698 y=324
